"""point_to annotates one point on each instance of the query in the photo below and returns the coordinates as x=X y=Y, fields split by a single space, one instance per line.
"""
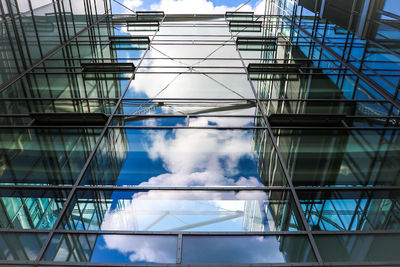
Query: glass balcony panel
x=239 y=16
x=246 y=249
x=244 y=26
x=183 y=211
x=256 y=44
x=171 y=158
x=150 y=15
x=124 y=42
x=112 y=248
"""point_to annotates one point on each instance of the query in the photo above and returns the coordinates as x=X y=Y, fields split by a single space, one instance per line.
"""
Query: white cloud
x=143 y=248
x=133 y=4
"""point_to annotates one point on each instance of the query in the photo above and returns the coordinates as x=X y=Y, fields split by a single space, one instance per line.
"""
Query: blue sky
x=197 y=6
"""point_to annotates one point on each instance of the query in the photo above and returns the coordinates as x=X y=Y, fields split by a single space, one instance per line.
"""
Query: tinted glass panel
x=44 y=156
x=341 y=248
x=338 y=158
x=18 y=246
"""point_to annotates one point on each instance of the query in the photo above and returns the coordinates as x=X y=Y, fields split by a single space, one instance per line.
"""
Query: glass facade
x=151 y=139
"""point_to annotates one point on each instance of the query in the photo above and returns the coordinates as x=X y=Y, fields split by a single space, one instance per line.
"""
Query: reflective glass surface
x=44 y=156
x=211 y=211
x=112 y=248
x=30 y=209
x=341 y=158
x=358 y=248
x=185 y=157
x=340 y=210
x=20 y=246
x=246 y=249
x=262 y=133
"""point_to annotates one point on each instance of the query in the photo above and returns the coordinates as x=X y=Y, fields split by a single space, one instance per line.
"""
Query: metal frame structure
x=34 y=90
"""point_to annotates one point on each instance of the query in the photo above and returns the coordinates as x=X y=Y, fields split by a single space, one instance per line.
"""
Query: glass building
x=148 y=138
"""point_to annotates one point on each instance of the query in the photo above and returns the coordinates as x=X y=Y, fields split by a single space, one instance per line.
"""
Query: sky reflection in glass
x=184 y=211
x=180 y=157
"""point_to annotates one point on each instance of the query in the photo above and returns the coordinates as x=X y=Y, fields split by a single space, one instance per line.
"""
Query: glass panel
x=190 y=85
x=340 y=157
x=112 y=248
x=301 y=86
x=357 y=248
x=351 y=210
x=20 y=246
x=61 y=85
x=30 y=209
x=185 y=157
x=56 y=106
x=246 y=249
x=329 y=107
x=44 y=156
x=212 y=211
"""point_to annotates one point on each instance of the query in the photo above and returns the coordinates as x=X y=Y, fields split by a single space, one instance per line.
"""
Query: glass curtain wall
x=231 y=139
x=31 y=30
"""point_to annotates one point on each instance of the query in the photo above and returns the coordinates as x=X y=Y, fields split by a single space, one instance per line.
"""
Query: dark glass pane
x=341 y=158
x=112 y=248
x=242 y=211
x=358 y=248
x=44 y=156
x=246 y=249
x=20 y=246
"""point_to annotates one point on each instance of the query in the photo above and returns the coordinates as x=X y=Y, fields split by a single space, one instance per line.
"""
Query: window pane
x=18 y=246
x=340 y=158
x=44 y=156
x=345 y=210
x=112 y=248
x=246 y=249
x=185 y=157
x=357 y=248
x=30 y=209
x=225 y=211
